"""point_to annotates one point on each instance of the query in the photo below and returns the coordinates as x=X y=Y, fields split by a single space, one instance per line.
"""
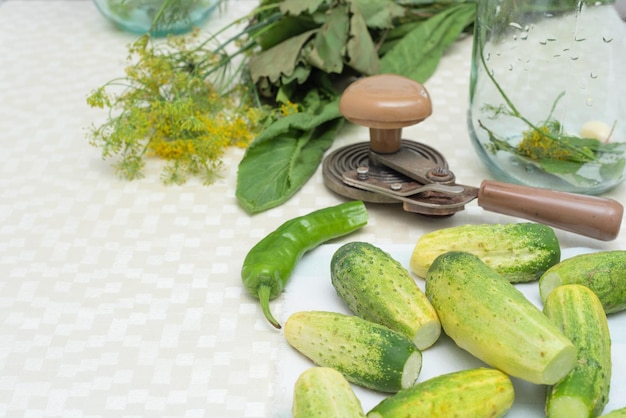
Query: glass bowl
x=175 y=16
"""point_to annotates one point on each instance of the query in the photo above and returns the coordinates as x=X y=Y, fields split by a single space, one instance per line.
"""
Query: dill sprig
x=183 y=100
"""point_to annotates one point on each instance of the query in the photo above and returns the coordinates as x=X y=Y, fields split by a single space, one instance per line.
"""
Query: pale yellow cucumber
x=520 y=252
x=367 y=354
x=579 y=314
x=378 y=288
x=481 y=392
x=490 y=318
x=323 y=392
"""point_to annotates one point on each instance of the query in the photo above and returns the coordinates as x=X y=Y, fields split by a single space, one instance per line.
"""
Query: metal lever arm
x=592 y=216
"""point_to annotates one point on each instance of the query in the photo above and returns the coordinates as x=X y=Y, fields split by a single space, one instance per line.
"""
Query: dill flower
x=169 y=106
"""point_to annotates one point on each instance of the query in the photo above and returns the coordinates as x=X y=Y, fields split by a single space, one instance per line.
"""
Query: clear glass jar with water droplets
x=548 y=92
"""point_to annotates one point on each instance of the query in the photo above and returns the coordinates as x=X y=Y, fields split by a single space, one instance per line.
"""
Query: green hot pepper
x=269 y=264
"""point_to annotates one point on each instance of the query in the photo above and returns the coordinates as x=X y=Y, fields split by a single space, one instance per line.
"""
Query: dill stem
x=516 y=113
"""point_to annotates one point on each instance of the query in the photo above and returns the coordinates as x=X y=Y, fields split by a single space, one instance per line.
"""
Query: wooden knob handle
x=385 y=103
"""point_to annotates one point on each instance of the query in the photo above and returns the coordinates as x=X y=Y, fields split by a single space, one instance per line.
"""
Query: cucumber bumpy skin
x=322 y=392
x=603 y=272
x=367 y=354
x=378 y=288
x=480 y=392
x=520 y=252
x=584 y=392
x=490 y=318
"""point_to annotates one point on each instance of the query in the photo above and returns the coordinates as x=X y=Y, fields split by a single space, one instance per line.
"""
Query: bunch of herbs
x=290 y=63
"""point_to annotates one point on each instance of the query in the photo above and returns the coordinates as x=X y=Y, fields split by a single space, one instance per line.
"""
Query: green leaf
x=330 y=41
x=297 y=7
x=361 y=51
x=285 y=156
x=286 y=27
x=279 y=60
x=299 y=75
x=379 y=14
x=418 y=53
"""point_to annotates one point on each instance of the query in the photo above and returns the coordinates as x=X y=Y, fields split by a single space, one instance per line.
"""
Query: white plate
x=310 y=288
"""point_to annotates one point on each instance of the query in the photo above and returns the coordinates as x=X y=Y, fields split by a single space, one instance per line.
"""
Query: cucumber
x=616 y=413
x=378 y=288
x=490 y=318
x=603 y=272
x=322 y=392
x=367 y=354
x=480 y=392
x=584 y=392
x=521 y=252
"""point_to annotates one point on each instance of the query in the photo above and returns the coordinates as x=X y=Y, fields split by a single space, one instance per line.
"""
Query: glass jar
x=548 y=92
x=174 y=16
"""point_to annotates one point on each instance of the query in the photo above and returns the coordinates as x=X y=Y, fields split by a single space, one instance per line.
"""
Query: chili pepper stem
x=263 y=293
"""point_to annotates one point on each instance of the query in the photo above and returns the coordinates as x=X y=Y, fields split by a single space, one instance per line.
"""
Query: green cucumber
x=378 y=288
x=481 y=392
x=616 y=413
x=367 y=354
x=490 y=318
x=322 y=392
x=603 y=272
x=579 y=314
x=521 y=252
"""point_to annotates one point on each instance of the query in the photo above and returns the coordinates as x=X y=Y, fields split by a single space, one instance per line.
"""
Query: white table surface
x=124 y=298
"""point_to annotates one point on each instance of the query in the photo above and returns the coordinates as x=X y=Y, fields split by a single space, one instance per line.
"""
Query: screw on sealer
x=440 y=174
x=363 y=173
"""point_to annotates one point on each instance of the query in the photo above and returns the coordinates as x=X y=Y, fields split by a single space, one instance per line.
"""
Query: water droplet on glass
x=607 y=40
x=589 y=102
x=515 y=25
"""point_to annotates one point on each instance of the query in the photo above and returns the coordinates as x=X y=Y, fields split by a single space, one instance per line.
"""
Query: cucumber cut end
x=548 y=282
x=568 y=407
x=411 y=370
x=560 y=366
x=427 y=334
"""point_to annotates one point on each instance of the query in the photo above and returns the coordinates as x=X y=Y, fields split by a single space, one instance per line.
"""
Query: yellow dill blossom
x=169 y=107
x=537 y=144
x=289 y=108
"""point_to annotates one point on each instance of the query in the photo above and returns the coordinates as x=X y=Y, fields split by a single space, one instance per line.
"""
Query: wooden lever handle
x=592 y=216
